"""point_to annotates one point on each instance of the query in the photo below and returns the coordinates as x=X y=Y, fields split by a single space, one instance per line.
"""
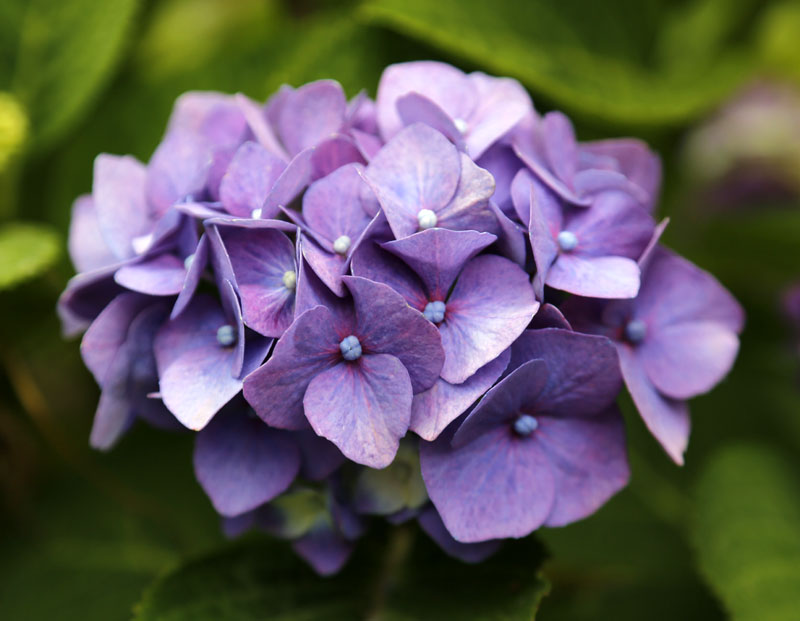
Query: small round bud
x=525 y=425
x=350 y=348
x=461 y=125
x=567 y=241
x=434 y=311
x=187 y=262
x=635 y=331
x=290 y=279
x=256 y=213
x=427 y=219
x=226 y=335
x=341 y=245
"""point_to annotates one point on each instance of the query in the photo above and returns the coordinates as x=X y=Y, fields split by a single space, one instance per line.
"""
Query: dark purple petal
x=498 y=486
x=307 y=348
x=416 y=108
x=324 y=549
x=667 y=419
x=333 y=154
x=438 y=255
x=193 y=276
x=312 y=291
x=372 y=262
x=85 y=297
x=328 y=266
x=595 y=277
x=503 y=165
x=435 y=408
x=320 y=457
x=241 y=463
x=290 y=183
x=163 y=274
x=362 y=407
x=491 y=304
x=311 y=114
x=548 y=316
x=249 y=179
x=432 y=524
x=87 y=248
x=114 y=412
x=510 y=237
x=385 y=324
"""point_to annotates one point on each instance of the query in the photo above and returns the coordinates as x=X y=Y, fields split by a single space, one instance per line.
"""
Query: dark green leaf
x=746 y=532
x=26 y=250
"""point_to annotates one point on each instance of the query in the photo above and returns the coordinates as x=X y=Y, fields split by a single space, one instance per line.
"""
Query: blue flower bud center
x=636 y=331
x=567 y=240
x=226 y=335
x=350 y=348
x=341 y=245
x=525 y=425
x=434 y=311
x=427 y=219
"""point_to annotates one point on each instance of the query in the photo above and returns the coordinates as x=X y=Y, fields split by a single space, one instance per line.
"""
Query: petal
x=291 y=182
x=416 y=108
x=438 y=255
x=178 y=170
x=311 y=291
x=544 y=223
x=87 y=248
x=491 y=304
x=560 y=146
x=276 y=389
x=434 y=409
x=501 y=104
x=385 y=324
x=430 y=521
x=503 y=165
x=684 y=360
x=418 y=169
x=163 y=274
x=667 y=419
x=363 y=408
x=241 y=463
x=372 y=262
x=85 y=296
x=589 y=461
x=118 y=191
x=591 y=182
x=259 y=124
x=310 y=114
x=193 y=276
x=250 y=177
x=548 y=316
x=495 y=487
x=114 y=412
x=328 y=266
x=332 y=206
x=320 y=458
x=334 y=153
x=595 y=277
x=584 y=377
x=469 y=207
x=510 y=238
x=324 y=549
x=526 y=151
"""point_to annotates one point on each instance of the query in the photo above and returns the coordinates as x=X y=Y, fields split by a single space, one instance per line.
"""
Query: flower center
x=256 y=213
x=434 y=311
x=350 y=348
x=461 y=125
x=567 y=241
x=187 y=262
x=525 y=425
x=341 y=245
x=290 y=279
x=427 y=219
x=635 y=331
x=226 y=335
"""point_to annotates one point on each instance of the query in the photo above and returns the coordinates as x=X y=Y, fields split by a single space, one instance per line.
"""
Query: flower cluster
x=420 y=307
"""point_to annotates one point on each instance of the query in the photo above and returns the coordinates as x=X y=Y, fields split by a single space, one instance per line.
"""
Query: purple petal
x=560 y=146
x=548 y=316
x=249 y=179
x=684 y=360
x=87 y=248
x=289 y=185
x=257 y=121
x=432 y=524
x=368 y=145
x=114 y=412
x=438 y=255
x=437 y=407
x=241 y=463
x=667 y=419
x=85 y=296
x=320 y=457
x=193 y=276
x=491 y=305
x=310 y=114
x=589 y=462
x=324 y=549
x=510 y=237
x=418 y=169
x=416 y=108
x=306 y=349
x=312 y=291
x=501 y=104
x=163 y=274
x=372 y=262
x=386 y=324
x=332 y=206
x=544 y=216
x=469 y=207
x=329 y=267
x=333 y=154
x=498 y=486
x=503 y=165
x=526 y=151
x=363 y=408
x=178 y=169
x=584 y=377
x=595 y=277
x=119 y=199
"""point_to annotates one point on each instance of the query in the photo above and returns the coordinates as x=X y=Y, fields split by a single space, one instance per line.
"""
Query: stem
x=398 y=549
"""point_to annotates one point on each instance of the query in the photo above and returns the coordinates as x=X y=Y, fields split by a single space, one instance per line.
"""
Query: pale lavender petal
x=416 y=108
x=510 y=238
x=368 y=145
x=443 y=84
x=503 y=165
x=667 y=419
x=333 y=154
x=469 y=207
x=249 y=179
x=435 y=408
x=501 y=104
x=544 y=216
x=193 y=276
x=595 y=277
x=324 y=549
x=430 y=521
x=241 y=463
x=289 y=185
x=332 y=206
x=438 y=255
x=329 y=267
x=87 y=247
x=307 y=348
x=491 y=304
x=560 y=147
x=119 y=200
x=178 y=169
x=257 y=121
x=418 y=169
x=163 y=274
x=311 y=114
x=114 y=413
x=591 y=182
x=532 y=160
x=500 y=485
x=372 y=262
x=387 y=325
x=362 y=407
x=684 y=360
x=589 y=461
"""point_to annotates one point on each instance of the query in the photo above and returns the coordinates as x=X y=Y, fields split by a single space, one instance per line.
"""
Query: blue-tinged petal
x=595 y=277
x=87 y=247
x=469 y=207
x=374 y=263
x=198 y=265
x=162 y=274
x=332 y=206
x=258 y=123
x=432 y=524
x=320 y=457
x=178 y=170
x=324 y=549
x=416 y=108
x=311 y=114
x=249 y=179
x=332 y=154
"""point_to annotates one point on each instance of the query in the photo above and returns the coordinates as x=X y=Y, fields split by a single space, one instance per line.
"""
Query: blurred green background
x=87 y=536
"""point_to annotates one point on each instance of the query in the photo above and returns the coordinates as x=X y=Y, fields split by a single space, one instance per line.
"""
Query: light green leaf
x=410 y=579
x=747 y=534
x=66 y=50
x=26 y=250
x=605 y=60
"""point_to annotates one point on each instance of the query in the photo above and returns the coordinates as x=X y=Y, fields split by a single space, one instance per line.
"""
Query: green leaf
x=26 y=250
x=609 y=60
x=747 y=535
x=410 y=579
x=65 y=51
